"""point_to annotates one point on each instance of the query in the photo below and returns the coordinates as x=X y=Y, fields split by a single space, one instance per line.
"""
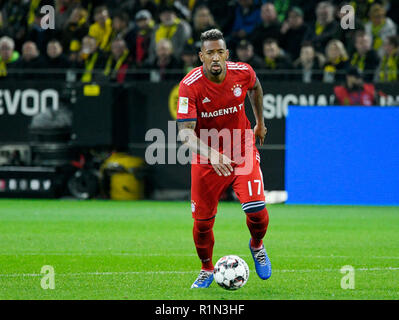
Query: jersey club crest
x=237 y=91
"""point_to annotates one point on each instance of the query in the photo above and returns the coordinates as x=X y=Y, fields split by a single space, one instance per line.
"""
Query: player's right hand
x=260 y=132
x=222 y=165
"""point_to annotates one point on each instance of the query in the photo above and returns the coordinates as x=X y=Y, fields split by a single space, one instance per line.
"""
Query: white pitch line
x=15 y=275
x=133 y=254
x=141 y=255
x=98 y=254
x=338 y=257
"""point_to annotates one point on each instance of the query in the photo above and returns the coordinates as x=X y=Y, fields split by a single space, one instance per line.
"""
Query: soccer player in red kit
x=211 y=99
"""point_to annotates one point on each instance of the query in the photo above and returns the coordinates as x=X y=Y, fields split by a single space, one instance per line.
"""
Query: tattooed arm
x=221 y=164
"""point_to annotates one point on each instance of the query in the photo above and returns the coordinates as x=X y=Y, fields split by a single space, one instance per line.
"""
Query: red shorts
x=207 y=186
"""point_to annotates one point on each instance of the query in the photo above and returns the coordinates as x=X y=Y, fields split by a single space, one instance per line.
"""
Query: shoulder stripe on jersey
x=196 y=71
x=194 y=79
x=238 y=68
x=235 y=64
x=193 y=75
x=189 y=80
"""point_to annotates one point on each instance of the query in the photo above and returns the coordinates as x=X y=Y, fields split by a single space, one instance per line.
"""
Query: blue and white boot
x=203 y=280
x=263 y=266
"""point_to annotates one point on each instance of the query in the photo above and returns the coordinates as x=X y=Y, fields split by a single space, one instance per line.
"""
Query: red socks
x=257 y=223
x=204 y=241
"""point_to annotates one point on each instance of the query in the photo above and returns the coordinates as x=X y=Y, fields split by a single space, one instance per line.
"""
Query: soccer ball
x=231 y=272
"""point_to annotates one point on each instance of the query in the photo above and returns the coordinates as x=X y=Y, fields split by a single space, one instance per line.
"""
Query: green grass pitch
x=144 y=250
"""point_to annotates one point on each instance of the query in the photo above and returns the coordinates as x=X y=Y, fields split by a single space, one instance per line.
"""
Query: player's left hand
x=260 y=131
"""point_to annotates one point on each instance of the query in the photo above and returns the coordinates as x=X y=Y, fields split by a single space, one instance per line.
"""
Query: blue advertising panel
x=342 y=155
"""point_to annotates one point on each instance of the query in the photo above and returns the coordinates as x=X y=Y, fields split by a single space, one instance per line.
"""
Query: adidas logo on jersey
x=206 y=100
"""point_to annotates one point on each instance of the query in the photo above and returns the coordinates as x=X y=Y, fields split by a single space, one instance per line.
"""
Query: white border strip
x=16 y=275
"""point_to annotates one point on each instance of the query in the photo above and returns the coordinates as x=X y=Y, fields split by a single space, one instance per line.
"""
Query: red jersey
x=219 y=105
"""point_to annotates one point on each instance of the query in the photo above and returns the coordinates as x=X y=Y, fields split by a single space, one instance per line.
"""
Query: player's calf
x=257 y=222
x=204 y=241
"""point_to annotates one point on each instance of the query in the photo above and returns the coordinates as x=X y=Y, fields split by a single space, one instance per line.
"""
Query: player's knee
x=204 y=226
x=261 y=216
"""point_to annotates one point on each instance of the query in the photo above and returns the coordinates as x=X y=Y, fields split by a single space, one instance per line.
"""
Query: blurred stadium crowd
x=120 y=40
